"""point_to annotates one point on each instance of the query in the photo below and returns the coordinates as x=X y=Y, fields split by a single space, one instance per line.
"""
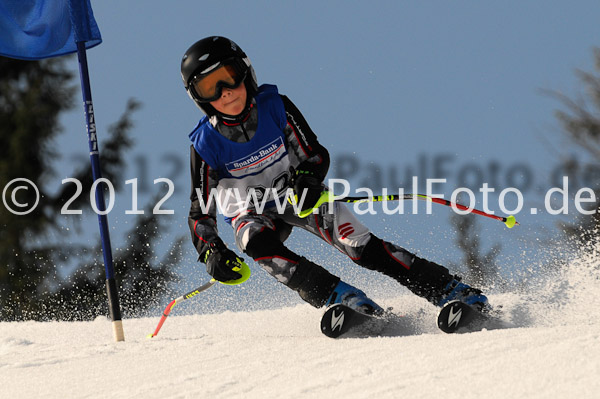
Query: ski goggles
x=208 y=87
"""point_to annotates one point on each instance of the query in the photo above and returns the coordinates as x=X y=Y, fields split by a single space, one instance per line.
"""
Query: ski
x=459 y=317
x=340 y=320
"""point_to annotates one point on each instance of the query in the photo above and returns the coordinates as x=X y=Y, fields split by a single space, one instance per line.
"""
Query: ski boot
x=354 y=298
x=455 y=290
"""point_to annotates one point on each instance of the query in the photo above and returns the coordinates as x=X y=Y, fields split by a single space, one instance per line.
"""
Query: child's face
x=232 y=101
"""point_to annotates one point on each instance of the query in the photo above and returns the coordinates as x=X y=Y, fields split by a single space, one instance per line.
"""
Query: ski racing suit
x=229 y=161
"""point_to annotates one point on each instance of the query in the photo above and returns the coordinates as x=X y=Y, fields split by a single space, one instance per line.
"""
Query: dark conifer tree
x=33 y=94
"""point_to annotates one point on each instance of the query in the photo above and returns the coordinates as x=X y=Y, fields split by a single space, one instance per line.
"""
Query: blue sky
x=392 y=84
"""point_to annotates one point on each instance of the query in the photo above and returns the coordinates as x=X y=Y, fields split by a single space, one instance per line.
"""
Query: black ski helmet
x=208 y=54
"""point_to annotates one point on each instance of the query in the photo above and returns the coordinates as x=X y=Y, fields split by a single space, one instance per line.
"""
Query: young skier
x=254 y=140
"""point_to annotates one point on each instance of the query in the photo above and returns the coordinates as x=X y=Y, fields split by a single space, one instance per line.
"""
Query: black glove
x=220 y=262
x=304 y=179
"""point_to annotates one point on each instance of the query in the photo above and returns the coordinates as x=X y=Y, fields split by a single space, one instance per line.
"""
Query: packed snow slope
x=552 y=352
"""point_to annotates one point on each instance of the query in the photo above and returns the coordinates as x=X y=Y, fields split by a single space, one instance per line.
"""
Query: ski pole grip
x=242 y=269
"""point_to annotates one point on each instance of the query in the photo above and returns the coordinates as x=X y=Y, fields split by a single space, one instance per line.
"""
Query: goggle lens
x=208 y=87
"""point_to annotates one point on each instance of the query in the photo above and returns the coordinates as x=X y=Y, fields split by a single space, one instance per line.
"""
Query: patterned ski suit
x=243 y=165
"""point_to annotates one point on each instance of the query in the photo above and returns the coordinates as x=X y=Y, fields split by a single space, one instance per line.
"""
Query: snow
x=553 y=352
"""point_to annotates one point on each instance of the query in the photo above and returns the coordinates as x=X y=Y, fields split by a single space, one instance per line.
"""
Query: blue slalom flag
x=36 y=29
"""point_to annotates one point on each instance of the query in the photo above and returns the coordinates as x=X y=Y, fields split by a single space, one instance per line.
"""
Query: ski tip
x=151 y=335
x=510 y=222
